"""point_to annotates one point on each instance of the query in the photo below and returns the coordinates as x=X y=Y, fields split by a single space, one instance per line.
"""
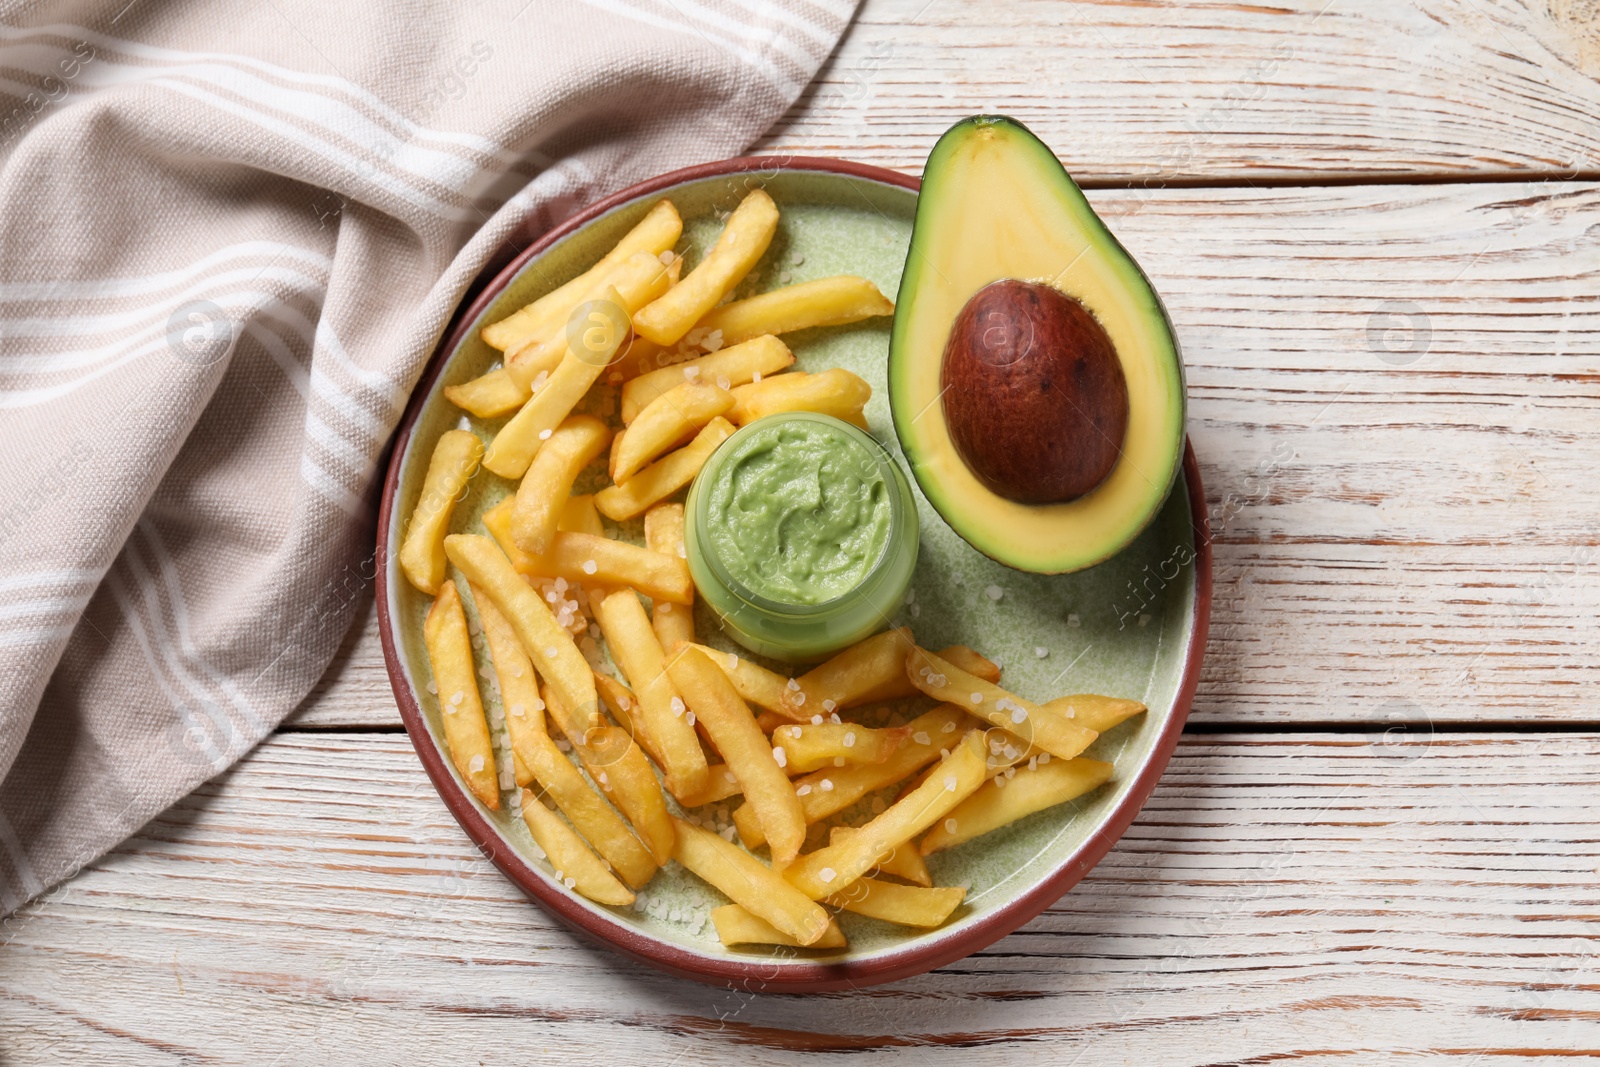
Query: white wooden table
x=1377 y=228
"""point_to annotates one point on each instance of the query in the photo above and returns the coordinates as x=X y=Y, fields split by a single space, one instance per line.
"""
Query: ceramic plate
x=1131 y=627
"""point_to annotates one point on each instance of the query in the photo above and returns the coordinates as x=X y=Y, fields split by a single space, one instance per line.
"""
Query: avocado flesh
x=996 y=204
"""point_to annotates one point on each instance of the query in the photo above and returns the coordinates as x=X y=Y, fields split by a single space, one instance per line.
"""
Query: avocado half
x=996 y=204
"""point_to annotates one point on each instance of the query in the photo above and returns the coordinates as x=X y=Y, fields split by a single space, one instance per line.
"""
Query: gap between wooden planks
x=1317 y=899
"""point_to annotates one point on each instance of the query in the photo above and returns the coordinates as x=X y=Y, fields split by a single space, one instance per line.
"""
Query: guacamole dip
x=798 y=512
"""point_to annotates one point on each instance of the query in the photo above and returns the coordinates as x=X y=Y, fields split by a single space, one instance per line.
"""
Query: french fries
x=519 y=439
x=750 y=883
x=519 y=685
x=974 y=663
x=657 y=232
x=754 y=683
x=663 y=532
x=828 y=792
x=736 y=365
x=824 y=302
x=466 y=731
x=663 y=477
x=907 y=905
x=637 y=652
x=595 y=560
x=720 y=785
x=578 y=515
x=1002 y=801
x=1094 y=712
x=547 y=485
x=741 y=244
x=812 y=745
x=455 y=459
x=834 y=392
x=547 y=643
x=831 y=868
x=576 y=866
x=733 y=731
x=735 y=926
x=671 y=417
x=904 y=862
x=867 y=671
x=1047 y=729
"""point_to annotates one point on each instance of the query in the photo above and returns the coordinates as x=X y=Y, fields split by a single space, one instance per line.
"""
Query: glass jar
x=799 y=632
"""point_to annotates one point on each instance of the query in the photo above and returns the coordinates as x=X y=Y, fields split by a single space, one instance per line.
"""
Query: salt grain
x=950 y=783
x=802 y=791
x=994 y=592
x=977 y=698
x=949 y=826
x=590 y=566
x=689 y=718
x=921 y=737
x=827 y=874
x=826 y=785
x=550 y=653
x=1020 y=716
x=1044 y=757
x=519 y=710
x=799 y=698
x=780 y=756
x=677 y=706
x=476 y=765
x=816 y=720
x=544 y=435
x=793 y=686
x=1073 y=620
x=433 y=687
x=850 y=739
x=1040 y=651
x=838 y=761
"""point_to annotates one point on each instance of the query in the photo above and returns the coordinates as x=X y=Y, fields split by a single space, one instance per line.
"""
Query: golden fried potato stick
x=754 y=683
x=1093 y=712
x=734 y=733
x=519 y=685
x=576 y=867
x=834 y=392
x=519 y=439
x=595 y=560
x=737 y=365
x=750 y=883
x=828 y=792
x=656 y=233
x=466 y=730
x=547 y=643
x=735 y=926
x=663 y=532
x=974 y=663
x=663 y=477
x=810 y=746
x=1049 y=730
x=488 y=395
x=455 y=459
x=663 y=712
x=674 y=416
x=907 y=905
x=831 y=868
x=844 y=298
x=904 y=862
x=578 y=515
x=1002 y=801
x=546 y=487
x=870 y=670
x=741 y=244
x=720 y=785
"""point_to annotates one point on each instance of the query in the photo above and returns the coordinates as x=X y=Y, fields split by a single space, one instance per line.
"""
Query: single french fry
x=733 y=731
x=974 y=663
x=671 y=417
x=1003 y=800
x=488 y=395
x=663 y=477
x=547 y=643
x=520 y=770
x=720 y=785
x=867 y=671
x=741 y=244
x=831 y=868
x=770 y=721
x=1094 y=712
x=631 y=285
x=595 y=560
x=578 y=515
x=657 y=232
x=636 y=651
x=754 y=683
x=1048 y=730
x=907 y=905
x=520 y=438
x=571 y=858
x=834 y=392
x=750 y=883
x=455 y=459
x=519 y=685
x=736 y=365
x=832 y=301
x=828 y=792
x=904 y=862
x=466 y=731
x=663 y=532
x=809 y=746
x=736 y=926
x=547 y=486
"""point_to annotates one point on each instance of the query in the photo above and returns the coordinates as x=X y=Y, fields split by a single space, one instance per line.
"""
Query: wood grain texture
x=1216 y=91
x=1395 y=397
x=1308 y=899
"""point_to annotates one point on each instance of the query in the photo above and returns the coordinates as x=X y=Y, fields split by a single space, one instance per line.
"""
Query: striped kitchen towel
x=230 y=235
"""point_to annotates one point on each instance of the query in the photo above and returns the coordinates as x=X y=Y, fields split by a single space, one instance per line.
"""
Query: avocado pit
x=1034 y=394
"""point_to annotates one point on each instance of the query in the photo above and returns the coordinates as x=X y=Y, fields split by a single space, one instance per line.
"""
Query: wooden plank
x=1213 y=91
x=1316 y=899
x=1395 y=397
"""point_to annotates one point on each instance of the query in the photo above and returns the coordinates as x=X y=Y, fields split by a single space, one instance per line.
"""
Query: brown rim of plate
x=756 y=974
